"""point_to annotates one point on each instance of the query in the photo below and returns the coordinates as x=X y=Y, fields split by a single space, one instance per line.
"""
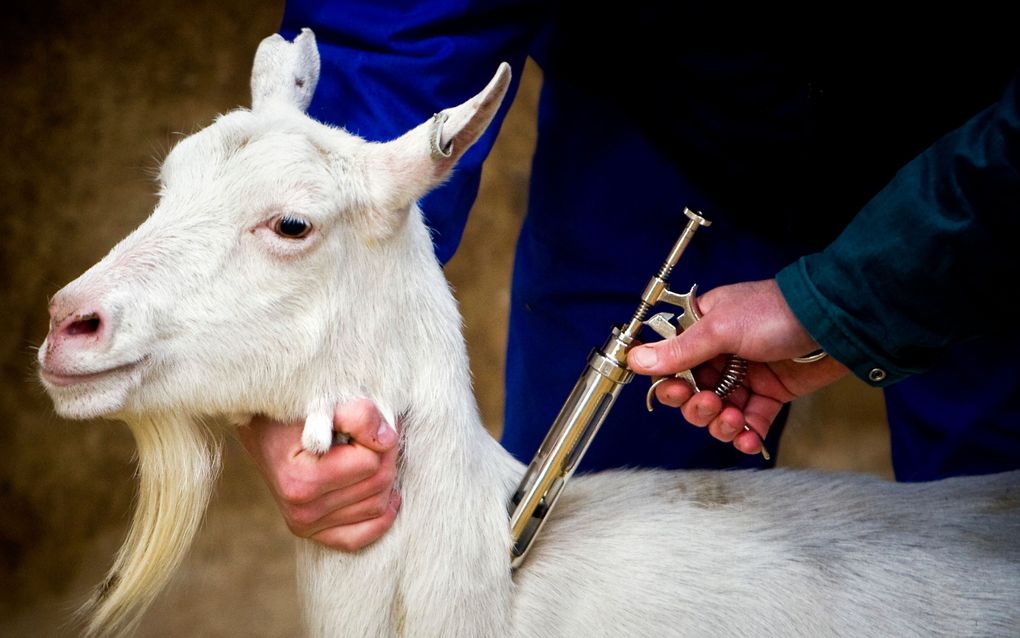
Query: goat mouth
x=64 y=380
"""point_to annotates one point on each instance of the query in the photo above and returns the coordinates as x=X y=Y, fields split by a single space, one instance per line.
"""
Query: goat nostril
x=87 y=325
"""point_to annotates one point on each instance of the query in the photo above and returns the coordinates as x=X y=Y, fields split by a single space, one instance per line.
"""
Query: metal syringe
x=589 y=402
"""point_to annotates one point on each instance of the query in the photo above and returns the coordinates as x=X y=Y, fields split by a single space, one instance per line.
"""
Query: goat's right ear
x=421 y=159
x=285 y=72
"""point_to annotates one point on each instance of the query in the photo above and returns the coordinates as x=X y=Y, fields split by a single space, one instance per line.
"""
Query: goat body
x=214 y=307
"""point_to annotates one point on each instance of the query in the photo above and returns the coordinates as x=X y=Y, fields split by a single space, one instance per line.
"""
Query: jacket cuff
x=819 y=317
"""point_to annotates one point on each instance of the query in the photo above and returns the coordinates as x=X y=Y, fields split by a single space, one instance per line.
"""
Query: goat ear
x=454 y=131
x=421 y=159
x=285 y=72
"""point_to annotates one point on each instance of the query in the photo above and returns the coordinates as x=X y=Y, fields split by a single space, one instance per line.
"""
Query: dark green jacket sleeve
x=930 y=261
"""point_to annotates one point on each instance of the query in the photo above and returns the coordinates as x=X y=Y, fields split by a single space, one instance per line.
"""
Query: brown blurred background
x=94 y=95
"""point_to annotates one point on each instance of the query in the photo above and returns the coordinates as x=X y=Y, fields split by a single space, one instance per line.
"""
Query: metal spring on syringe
x=733 y=374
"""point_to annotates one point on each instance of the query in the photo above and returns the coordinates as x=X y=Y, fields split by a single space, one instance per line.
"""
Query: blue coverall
x=780 y=142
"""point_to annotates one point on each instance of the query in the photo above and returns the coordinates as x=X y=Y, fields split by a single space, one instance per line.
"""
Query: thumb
x=364 y=422
x=688 y=349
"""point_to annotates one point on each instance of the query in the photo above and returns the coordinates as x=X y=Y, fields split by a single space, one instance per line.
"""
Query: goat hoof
x=317 y=436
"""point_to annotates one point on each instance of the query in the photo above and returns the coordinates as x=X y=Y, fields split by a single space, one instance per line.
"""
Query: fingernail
x=386 y=433
x=703 y=412
x=646 y=356
x=727 y=430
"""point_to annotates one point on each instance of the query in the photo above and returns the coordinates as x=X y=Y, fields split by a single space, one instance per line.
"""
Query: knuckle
x=387 y=474
x=674 y=349
x=294 y=528
x=300 y=517
x=342 y=542
x=349 y=538
x=296 y=491
x=367 y=464
x=707 y=299
x=377 y=484
x=715 y=328
x=379 y=505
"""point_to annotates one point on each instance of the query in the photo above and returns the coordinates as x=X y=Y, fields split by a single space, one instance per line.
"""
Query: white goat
x=287 y=267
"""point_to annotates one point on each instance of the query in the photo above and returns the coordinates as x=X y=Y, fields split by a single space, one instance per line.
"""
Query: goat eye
x=292 y=227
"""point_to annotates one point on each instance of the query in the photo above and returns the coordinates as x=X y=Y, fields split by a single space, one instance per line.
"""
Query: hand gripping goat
x=286 y=267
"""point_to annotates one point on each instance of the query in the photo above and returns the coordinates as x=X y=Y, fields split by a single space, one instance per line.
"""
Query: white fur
x=223 y=316
x=318 y=432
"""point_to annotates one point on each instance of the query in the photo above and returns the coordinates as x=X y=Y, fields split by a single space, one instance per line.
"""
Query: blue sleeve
x=387 y=66
x=930 y=261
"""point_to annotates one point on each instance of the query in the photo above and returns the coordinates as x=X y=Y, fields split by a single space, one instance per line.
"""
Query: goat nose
x=74 y=320
x=83 y=324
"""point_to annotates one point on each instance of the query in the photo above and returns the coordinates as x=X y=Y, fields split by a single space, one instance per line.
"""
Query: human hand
x=753 y=321
x=344 y=498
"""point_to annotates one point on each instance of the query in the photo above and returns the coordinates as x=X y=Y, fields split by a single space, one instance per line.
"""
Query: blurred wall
x=95 y=94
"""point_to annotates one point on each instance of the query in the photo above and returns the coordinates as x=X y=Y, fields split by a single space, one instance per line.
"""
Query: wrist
x=820 y=319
